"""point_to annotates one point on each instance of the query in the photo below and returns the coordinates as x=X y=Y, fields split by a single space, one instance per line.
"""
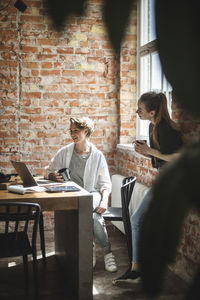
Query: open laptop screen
x=24 y=173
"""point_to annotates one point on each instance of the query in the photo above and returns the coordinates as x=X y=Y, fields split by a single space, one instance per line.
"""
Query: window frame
x=147 y=50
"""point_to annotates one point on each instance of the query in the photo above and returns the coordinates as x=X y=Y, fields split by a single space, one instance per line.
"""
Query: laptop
x=27 y=178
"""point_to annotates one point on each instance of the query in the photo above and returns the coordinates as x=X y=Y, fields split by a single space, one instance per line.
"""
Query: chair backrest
x=15 y=218
x=127 y=190
x=128 y=184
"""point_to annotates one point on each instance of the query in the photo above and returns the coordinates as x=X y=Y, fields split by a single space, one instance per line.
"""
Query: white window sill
x=130 y=147
x=126 y=147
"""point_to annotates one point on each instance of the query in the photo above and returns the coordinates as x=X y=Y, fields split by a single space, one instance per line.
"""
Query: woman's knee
x=98 y=220
x=96 y=217
x=135 y=219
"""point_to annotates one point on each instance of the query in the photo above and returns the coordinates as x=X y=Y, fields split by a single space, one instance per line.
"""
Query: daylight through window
x=150 y=75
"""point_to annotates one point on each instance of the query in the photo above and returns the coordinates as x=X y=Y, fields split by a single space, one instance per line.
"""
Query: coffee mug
x=141 y=141
x=65 y=172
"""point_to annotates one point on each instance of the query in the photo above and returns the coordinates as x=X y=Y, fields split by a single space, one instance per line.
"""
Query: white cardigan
x=96 y=175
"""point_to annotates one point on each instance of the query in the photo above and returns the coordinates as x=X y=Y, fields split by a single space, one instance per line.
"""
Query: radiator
x=139 y=192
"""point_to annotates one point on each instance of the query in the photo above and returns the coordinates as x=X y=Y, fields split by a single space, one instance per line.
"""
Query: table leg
x=73 y=247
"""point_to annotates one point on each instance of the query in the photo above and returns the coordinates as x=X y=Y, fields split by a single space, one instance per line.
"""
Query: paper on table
x=20 y=189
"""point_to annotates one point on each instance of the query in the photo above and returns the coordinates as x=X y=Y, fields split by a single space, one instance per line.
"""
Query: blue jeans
x=99 y=225
x=136 y=219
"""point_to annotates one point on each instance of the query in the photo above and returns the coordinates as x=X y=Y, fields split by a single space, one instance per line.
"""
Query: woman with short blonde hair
x=89 y=169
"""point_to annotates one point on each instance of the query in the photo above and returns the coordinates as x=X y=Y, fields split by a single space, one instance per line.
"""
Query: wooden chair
x=18 y=234
x=122 y=213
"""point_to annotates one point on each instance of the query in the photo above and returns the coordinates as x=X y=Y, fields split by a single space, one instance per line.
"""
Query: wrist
x=104 y=201
x=151 y=151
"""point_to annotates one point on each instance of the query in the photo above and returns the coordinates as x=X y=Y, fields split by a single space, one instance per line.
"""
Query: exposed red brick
x=65 y=50
x=29 y=49
x=30 y=65
x=5 y=63
x=36 y=95
x=50 y=72
x=31 y=19
x=48 y=76
x=34 y=72
x=47 y=65
x=71 y=73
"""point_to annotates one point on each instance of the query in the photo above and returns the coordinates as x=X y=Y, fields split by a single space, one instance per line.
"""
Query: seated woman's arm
x=104 y=202
x=104 y=183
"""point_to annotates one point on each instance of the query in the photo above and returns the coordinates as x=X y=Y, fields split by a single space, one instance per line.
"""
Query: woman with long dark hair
x=165 y=142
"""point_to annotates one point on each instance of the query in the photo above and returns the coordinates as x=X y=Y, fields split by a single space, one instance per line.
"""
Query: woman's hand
x=102 y=207
x=103 y=204
x=56 y=177
x=142 y=148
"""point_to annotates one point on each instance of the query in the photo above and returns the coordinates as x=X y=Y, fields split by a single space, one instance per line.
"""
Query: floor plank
x=53 y=285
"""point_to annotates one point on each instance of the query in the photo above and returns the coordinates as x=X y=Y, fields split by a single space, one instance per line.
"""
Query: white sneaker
x=110 y=264
x=94 y=254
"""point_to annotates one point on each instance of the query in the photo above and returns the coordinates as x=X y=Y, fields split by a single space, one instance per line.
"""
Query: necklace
x=84 y=152
x=84 y=156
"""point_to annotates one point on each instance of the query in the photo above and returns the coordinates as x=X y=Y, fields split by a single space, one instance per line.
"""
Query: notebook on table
x=67 y=188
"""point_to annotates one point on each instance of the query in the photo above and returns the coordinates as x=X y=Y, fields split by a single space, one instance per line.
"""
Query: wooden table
x=73 y=234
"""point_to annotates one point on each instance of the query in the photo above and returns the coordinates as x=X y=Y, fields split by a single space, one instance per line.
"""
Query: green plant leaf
x=116 y=15
x=59 y=10
x=174 y=193
x=178 y=40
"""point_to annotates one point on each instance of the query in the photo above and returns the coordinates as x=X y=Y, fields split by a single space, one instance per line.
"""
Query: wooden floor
x=54 y=287
x=51 y=282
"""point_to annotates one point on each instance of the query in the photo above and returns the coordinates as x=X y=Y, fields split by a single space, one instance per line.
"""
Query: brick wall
x=129 y=163
x=48 y=76
x=127 y=85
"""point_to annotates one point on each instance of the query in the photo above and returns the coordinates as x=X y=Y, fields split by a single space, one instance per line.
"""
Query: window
x=150 y=72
